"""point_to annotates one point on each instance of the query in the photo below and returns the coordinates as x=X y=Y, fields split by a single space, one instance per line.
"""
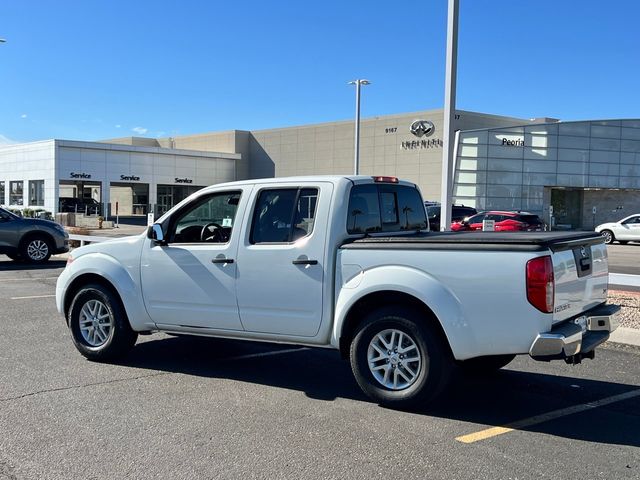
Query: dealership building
x=573 y=174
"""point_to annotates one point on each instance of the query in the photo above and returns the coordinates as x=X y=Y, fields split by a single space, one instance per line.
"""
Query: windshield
x=534 y=219
x=433 y=211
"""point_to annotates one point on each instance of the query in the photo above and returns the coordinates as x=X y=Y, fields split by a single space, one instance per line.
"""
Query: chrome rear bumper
x=578 y=337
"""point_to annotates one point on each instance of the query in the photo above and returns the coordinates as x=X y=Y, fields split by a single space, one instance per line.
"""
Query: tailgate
x=581 y=274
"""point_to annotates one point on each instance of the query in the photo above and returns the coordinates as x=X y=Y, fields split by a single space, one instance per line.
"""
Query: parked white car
x=626 y=230
x=346 y=263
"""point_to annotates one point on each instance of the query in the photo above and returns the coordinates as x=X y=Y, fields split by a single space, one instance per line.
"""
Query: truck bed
x=518 y=241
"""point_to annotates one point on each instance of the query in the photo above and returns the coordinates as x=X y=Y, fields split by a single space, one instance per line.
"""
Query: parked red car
x=505 y=222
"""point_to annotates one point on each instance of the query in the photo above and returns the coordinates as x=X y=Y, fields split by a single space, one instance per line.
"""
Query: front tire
x=399 y=359
x=36 y=250
x=99 y=326
x=608 y=236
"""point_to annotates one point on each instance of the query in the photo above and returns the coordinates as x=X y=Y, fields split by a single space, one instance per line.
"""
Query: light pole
x=449 y=115
x=356 y=159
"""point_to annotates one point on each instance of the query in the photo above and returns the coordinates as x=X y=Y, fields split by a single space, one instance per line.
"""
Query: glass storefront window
x=2 y=193
x=140 y=199
x=16 y=194
x=171 y=195
x=36 y=193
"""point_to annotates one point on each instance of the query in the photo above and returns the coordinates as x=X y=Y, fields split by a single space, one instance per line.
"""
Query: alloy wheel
x=37 y=250
x=96 y=323
x=394 y=359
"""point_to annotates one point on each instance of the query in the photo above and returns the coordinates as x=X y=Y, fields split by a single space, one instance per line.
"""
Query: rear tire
x=36 y=249
x=608 y=236
x=415 y=367
x=99 y=325
x=485 y=365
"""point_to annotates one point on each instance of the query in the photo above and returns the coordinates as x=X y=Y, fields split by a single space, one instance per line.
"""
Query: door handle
x=222 y=260
x=305 y=262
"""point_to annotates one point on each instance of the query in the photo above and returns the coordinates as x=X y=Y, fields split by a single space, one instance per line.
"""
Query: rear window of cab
x=375 y=208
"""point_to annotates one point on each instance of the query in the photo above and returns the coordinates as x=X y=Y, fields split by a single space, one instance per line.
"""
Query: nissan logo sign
x=422 y=128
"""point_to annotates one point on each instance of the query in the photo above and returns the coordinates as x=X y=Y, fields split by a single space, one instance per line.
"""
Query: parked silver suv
x=31 y=239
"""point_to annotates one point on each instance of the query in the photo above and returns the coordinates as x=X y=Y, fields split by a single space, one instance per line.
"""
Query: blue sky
x=91 y=70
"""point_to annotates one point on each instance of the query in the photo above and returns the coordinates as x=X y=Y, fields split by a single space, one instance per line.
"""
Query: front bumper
x=578 y=337
x=62 y=243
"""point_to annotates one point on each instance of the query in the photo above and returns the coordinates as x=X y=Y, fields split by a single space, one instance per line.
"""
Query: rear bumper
x=577 y=337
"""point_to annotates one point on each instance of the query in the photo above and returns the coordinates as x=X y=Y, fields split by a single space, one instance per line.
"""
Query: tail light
x=540 y=283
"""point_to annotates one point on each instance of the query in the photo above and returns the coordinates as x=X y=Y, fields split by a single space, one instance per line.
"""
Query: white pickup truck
x=345 y=263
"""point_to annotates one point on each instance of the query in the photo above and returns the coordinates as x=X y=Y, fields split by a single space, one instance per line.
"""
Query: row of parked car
x=32 y=240
x=465 y=218
x=623 y=231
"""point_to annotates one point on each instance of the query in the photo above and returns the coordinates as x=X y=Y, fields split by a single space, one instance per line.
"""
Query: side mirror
x=155 y=233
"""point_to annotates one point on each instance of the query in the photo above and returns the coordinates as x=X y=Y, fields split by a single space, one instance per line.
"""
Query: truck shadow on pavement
x=492 y=400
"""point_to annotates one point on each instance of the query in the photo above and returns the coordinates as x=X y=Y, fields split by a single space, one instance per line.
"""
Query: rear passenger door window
x=284 y=215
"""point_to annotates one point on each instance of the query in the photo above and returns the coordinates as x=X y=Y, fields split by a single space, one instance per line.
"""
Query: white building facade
x=139 y=179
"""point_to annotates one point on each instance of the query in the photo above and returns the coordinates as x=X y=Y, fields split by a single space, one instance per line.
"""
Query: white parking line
x=32 y=296
x=545 y=417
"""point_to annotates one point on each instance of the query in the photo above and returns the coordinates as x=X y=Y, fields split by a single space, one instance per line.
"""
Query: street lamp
x=356 y=160
x=448 y=134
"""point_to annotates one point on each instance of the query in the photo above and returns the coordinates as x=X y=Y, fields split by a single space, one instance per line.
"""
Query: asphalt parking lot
x=624 y=258
x=207 y=408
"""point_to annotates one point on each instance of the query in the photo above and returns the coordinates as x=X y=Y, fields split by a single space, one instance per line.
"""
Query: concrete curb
x=626 y=336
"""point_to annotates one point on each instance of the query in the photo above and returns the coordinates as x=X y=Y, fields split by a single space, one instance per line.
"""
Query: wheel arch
x=31 y=234
x=107 y=271
x=402 y=286
x=384 y=298
x=87 y=279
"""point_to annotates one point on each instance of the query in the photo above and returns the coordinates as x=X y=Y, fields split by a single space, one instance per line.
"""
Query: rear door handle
x=222 y=260
x=305 y=262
